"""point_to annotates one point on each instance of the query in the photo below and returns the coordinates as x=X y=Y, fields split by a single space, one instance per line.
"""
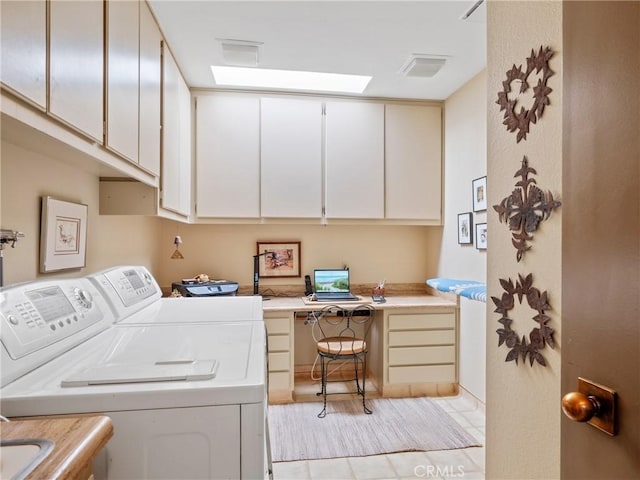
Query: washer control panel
x=127 y=288
x=39 y=314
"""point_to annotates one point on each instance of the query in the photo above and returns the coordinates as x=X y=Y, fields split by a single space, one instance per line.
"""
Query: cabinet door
x=176 y=138
x=291 y=158
x=228 y=156
x=150 y=93
x=122 y=78
x=413 y=162
x=354 y=160
x=76 y=64
x=184 y=111
x=23 y=43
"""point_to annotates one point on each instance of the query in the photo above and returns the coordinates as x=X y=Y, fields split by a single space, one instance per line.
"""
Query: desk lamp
x=256 y=271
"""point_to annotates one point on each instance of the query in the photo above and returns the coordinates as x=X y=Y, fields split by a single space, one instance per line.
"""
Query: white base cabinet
x=281 y=354
x=420 y=352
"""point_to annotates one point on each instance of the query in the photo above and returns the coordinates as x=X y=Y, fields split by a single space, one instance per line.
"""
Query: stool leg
x=323 y=375
x=364 y=380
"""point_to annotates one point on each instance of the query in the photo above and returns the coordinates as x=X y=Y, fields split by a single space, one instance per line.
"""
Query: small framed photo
x=481 y=236
x=278 y=259
x=465 y=228
x=480 y=194
x=63 y=235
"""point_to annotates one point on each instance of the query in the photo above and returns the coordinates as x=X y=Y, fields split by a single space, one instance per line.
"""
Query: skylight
x=289 y=79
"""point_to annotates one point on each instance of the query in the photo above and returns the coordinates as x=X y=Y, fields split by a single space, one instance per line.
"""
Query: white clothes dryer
x=187 y=400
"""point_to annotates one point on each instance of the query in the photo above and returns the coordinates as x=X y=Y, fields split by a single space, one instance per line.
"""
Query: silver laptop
x=332 y=285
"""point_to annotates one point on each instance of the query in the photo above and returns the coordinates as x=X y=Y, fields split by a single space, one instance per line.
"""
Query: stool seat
x=341 y=345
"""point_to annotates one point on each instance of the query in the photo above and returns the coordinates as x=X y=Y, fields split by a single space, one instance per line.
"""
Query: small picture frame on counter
x=278 y=259
x=465 y=228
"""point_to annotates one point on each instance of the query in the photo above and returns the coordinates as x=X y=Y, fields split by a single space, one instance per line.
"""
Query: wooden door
x=601 y=230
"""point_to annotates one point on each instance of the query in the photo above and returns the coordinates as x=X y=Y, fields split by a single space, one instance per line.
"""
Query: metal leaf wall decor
x=525 y=208
x=539 y=336
x=521 y=120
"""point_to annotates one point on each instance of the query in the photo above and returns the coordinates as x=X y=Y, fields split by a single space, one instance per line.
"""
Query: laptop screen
x=326 y=280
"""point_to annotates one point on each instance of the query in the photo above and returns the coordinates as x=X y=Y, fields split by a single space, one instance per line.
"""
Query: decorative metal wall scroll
x=539 y=337
x=521 y=120
x=525 y=208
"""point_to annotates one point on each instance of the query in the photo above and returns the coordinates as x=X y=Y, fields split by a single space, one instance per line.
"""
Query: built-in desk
x=413 y=345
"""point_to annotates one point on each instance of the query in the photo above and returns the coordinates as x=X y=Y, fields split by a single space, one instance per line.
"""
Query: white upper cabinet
x=413 y=162
x=150 y=91
x=291 y=162
x=122 y=78
x=76 y=64
x=23 y=43
x=228 y=156
x=354 y=160
x=184 y=111
x=175 y=177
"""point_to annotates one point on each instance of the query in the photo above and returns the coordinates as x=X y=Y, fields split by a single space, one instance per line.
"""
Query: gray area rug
x=396 y=425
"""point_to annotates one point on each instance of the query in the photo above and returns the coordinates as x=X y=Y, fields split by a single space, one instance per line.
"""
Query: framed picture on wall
x=63 y=235
x=481 y=236
x=480 y=194
x=465 y=228
x=278 y=259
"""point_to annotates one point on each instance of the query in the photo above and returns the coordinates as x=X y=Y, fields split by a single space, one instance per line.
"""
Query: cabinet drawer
x=277 y=325
x=278 y=343
x=423 y=374
x=421 y=321
x=279 y=381
x=279 y=362
x=422 y=337
x=422 y=355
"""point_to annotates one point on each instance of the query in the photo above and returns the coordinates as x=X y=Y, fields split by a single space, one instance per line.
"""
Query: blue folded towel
x=465 y=288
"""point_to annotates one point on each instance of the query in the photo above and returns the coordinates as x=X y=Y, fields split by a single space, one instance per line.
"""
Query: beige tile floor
x=465 y=464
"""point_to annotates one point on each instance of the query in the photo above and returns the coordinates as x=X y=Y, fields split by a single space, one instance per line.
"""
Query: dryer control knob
x=83 y=297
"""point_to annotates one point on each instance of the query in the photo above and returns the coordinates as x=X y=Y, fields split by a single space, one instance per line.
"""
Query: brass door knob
x=580 y=407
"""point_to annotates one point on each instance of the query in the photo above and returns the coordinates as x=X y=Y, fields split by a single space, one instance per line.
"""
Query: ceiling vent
x=240 y=53
x=424 y=66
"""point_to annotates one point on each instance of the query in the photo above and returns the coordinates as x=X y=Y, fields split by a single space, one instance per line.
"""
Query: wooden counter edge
x=78 y=439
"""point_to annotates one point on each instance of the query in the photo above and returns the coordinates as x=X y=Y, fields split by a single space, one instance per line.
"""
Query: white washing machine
x=188 y=400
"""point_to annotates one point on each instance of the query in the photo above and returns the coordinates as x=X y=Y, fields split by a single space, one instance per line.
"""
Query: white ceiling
x=354 y=37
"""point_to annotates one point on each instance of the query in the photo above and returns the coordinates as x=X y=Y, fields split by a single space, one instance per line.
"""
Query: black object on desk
x=205 y=289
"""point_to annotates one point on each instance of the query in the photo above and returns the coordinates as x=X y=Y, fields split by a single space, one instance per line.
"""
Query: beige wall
x=465 y=159
x=26 y=177
x=523 y=414
x=398 y=253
